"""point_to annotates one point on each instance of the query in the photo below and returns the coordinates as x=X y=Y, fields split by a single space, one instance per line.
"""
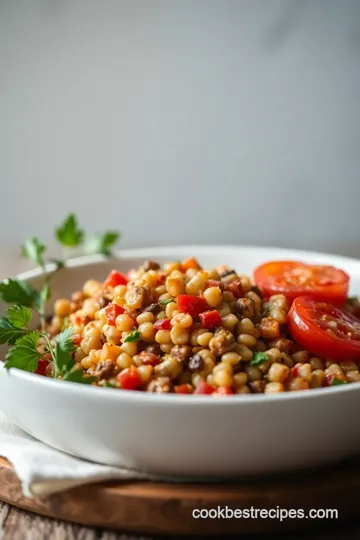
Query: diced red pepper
x=77 y=339
x=210 y=319
x=191 y=304
x=130 y=379
x=162 y=324
x=190 y=263
x=114 y=279
x=204 y=388
x=236 y=288
x=112 y=311
x=295 y=370
x=183 y=389
x=149 y=359
x=223 y=391
x=212 y=283
x=41 y=367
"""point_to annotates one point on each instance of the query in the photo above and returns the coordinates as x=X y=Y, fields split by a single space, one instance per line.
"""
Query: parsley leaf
x=133 y=336
x=166 y=302
x=101 y=243
x=69 y=233
x=19 y=316
x=10 y=333
x=24 y=355
x=18 y=291
x=43 y=296
x=34 y=250
x=336 y=382
x=63 y=349
x=79 y=376
x=106 y=384
x=258 y=359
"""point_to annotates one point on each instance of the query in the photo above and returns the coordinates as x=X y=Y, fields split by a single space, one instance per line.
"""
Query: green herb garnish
x=133 y=336
x=27 y=347
x=336 y=382
x=101 y=243
x=106 y=384
x=34 y=250
x=18 y=291
x=166 y=301
x=69 y=234
x=258 y=359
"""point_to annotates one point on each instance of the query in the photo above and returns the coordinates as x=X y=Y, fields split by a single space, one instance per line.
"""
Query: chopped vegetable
x=194 y=305
x=258 y=359
x=162 y=324
x=210 y=319
x=130 y=379
x=295 y=279
x=190 y=263
x=204 y=388
x=112 y=311
x=133 y=337
x=114 y=279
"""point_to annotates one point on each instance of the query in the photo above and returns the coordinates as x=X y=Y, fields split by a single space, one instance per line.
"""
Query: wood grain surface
x=158 y=508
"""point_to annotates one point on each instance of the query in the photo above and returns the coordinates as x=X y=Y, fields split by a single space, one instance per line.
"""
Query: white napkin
x=43 y=470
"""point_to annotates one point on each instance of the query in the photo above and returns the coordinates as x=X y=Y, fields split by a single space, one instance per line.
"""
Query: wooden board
x=160 y=508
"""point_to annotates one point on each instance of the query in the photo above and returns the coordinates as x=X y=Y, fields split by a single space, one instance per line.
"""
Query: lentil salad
x=182 y=329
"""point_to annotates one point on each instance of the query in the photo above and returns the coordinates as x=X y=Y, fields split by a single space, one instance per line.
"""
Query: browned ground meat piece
x=160 y=385
x=226 y=273
x=222 y=342
x=104 y=369
x=181 y=352
x=103 y=301
x=153 y=308
x=137 y=297
x=245 y=308
x=258 y=387
x=151 y=265
x=155 y=349
x=282 y=344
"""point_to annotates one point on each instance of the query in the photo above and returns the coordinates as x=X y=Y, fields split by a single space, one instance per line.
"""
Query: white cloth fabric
x=43 y=470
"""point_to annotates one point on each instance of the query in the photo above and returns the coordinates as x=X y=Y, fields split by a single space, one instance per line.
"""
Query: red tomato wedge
x=325 y=330
x=295 y=279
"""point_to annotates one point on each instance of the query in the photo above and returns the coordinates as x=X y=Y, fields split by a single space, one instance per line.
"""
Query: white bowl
x=187 y=435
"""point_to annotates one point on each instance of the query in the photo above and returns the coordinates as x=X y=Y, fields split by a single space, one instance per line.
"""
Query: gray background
x=182 y=121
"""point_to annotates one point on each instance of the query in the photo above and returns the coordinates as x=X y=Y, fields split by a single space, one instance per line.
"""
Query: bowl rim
x=189 y=399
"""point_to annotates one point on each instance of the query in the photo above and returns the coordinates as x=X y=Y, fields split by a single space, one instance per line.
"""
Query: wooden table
x=19 y=525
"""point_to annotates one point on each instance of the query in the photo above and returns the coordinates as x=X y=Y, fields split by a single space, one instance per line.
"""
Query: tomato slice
x=294 y=279
x=325 y=330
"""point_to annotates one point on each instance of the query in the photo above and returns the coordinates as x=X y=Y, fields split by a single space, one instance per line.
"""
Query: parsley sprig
x=27 y=346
